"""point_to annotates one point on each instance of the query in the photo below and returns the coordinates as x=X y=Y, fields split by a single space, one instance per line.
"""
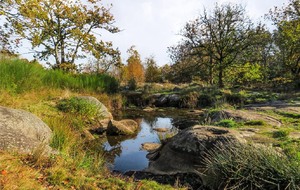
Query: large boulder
x=123 y=127
x=22 y=131
x=184 y=152
x=103 y=112
x=103 y=115
x=165 y=100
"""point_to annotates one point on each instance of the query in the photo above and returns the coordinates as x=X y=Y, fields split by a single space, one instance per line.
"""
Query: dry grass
x=16 y=175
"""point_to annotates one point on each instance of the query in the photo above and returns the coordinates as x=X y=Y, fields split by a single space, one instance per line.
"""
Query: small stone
x=150 y=146
x=123 y=127
x=162 y=130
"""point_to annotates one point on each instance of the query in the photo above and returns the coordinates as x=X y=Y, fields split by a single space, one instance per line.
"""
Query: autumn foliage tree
x=65 y=30
x=135 y=69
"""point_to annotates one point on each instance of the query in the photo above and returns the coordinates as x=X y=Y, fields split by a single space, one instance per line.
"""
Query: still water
x=125 y=153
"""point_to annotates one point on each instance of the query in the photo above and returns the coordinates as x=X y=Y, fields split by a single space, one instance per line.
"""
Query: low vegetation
x=228 y=123
x=249 y=166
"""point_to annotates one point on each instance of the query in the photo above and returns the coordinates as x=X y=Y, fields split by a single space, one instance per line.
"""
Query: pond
x=125 y=153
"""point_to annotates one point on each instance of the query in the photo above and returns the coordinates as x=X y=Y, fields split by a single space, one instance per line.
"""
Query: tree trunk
x=221 y=84
x=211 y=78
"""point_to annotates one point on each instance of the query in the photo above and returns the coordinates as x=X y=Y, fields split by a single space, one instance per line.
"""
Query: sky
x=154 y=25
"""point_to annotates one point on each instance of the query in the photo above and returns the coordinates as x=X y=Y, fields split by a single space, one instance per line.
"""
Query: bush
x=247 y=166
x=111 y=85
x=78 y=106
x=205 y=100
x=255 y=122
x=281 y=134
x=228 y=123
x=132 y=84
x=234 y=99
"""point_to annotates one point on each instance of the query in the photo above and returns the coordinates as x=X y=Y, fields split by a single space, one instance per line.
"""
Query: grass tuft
x=249 y=166
x=228 y=123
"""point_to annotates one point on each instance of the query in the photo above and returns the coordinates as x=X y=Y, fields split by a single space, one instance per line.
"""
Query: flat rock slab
x=277 y=106
x=244 y=115
x=248 y=132
x=295 y=135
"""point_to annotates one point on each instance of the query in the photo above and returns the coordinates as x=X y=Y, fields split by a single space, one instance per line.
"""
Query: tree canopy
x=287 y=36
x=135 y=69
x=216 y=40
x=66 y=30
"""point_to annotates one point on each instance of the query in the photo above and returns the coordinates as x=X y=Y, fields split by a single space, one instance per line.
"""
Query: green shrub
x=281 y=134
x=205 y=100
x=132 y=84
x=247 y=166
x=255 y=122
x=111 y=85
x=228 y=123
x=234 y=99
x=79 y=107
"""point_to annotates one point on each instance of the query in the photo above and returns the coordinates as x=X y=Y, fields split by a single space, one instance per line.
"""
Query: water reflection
x=127 y=151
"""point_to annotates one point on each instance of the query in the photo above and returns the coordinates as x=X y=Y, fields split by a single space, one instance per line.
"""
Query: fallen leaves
x=3 y=172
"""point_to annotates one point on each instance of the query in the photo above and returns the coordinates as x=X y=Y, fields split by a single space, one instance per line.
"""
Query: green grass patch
x=290 y=115
x=291 y=147
x=78 y=106
x=228 y=123
x=281 y=134
x=17 y=76
x=255 y=122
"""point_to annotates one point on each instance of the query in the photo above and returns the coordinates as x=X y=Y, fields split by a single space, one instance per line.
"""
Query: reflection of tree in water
x=150 y=120
x=115 y=143
x=116 y=140
x=112 y=154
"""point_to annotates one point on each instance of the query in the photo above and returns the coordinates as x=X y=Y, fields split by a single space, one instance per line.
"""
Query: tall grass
x=19 y=75
x=247 y=166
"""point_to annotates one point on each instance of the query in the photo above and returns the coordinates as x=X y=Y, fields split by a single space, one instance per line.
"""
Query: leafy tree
x=215 y=41
x=104 y=64
x=256 y=63
x=287 y=36
x=247 y=74
x=152 y=72
x=134 y=66
x=166 y=73
x=63 y=29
